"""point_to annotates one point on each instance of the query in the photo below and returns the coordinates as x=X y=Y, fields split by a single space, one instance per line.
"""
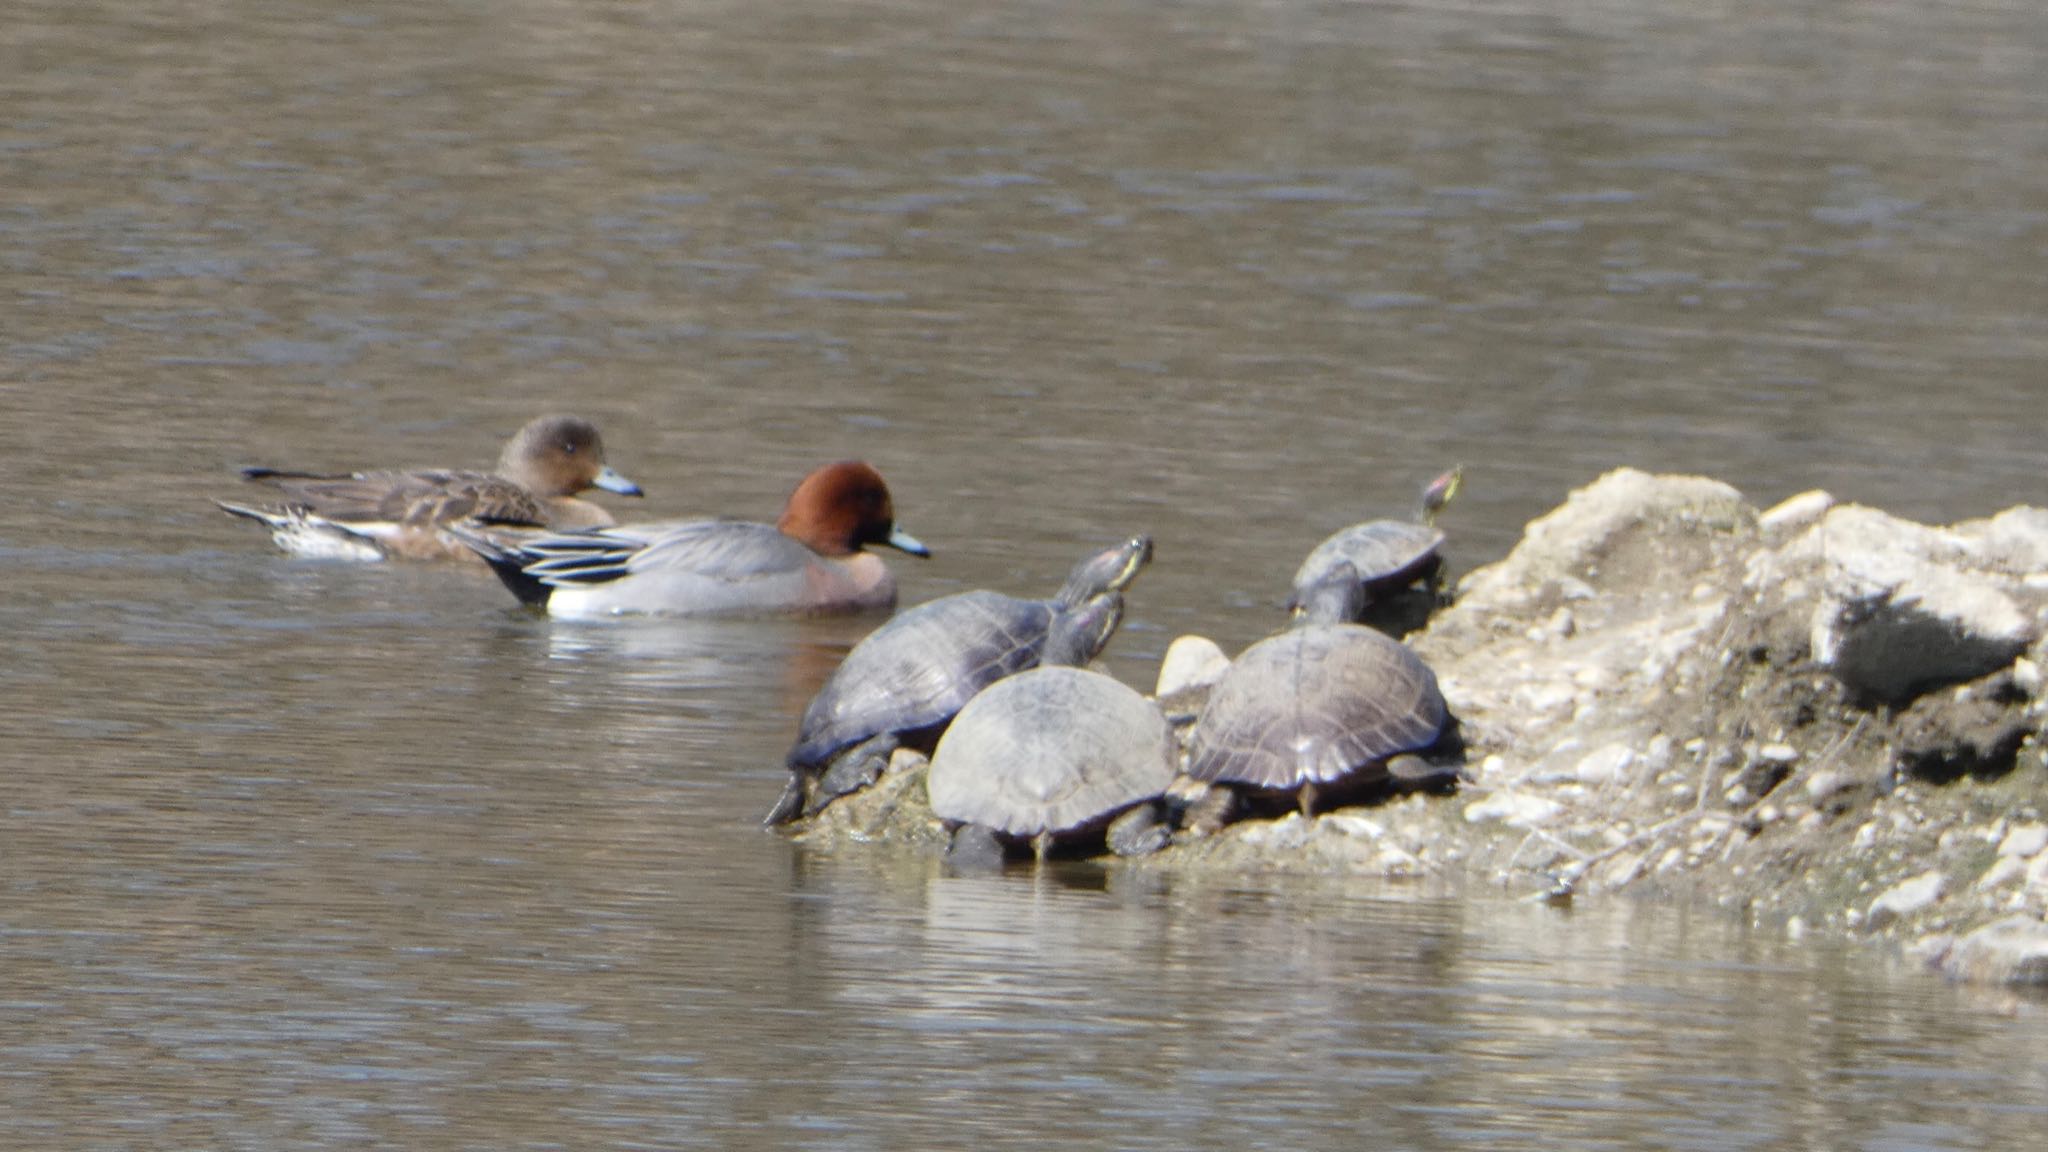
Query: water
x=299 y=855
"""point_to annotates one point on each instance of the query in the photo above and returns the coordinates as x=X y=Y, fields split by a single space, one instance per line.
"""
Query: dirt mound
x=1819 y=715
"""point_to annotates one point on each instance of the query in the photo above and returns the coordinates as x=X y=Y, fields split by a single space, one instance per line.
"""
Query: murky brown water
x=297 y=855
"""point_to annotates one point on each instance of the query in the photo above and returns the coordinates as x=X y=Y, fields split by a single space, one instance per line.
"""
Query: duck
x=814 y=560
x=370 y=516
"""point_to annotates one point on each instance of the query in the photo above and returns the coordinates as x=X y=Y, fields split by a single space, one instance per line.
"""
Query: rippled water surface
x=295 y=854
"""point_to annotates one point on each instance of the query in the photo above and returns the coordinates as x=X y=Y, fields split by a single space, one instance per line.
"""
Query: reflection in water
x=1342 y=1006
x=295 y=855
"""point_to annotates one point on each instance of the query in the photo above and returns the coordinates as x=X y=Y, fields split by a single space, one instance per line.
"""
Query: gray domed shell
x=1050 y=750
x=924 y=665
x=1389 y=554
x=920 y=668
x=1313 y=705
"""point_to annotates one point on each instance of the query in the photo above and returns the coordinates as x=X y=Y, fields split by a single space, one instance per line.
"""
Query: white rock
x=1288 y=832
x=1515 y=809
x=1898 y=611
x=2037 y=872
x=1905 y=898
x=2014 y=541
x=2009 y=951
x=1605 y=764
x=1544 y=699
x=2026 y=676
x=1191 y=663
x=1822 y=785
x=1796 y=512
x=1778 y=754
x=2005 y=869
x=2024 y=840
x=1352 y=824
x=1657 y=755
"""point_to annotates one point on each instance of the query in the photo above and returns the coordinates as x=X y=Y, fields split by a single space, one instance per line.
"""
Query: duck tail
x=508 y=561
x=268 y=519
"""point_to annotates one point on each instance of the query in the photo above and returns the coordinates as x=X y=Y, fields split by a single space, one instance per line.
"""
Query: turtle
x=1389 y=556
x=1324 y=707
x=906 y=679
x=1055 y=753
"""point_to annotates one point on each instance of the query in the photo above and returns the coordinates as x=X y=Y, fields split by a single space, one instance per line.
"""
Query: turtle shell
x=1320 y=703
x=920 y=668
x=1054 y=749
x=1389 y=555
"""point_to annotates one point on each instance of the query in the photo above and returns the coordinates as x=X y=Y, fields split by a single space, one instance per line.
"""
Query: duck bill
x=611 y=481
x=904 y=542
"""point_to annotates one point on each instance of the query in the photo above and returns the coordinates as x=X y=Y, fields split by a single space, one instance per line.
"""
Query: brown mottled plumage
x=372 y=515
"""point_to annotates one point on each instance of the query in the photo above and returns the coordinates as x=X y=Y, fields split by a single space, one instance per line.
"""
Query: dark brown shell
x=1314 y=705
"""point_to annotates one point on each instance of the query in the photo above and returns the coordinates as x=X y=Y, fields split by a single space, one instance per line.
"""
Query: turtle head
x=1110 y=570
x=1336 y=596
x=1079 y=632
x=1440 y=492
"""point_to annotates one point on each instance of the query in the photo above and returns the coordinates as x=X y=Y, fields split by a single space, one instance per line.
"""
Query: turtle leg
x=1207 y=808
x=790 y=804
x=1412 y=771
x=853 y=770
x=1138 y=832
x=975 y=847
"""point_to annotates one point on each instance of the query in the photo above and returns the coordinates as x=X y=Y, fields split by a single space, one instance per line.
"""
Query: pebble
x=1822 y=785
x=1796 y=511
x=1778 y=754
x=2037 y=872
x=1286 y=833
x=1514 y=809
x=2004 y=869
x=1605 y=764
x=2024 y=840
x=1905 y=898
x=1352 y=824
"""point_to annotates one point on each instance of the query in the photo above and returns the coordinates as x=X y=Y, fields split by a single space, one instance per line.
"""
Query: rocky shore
x=1819 y=715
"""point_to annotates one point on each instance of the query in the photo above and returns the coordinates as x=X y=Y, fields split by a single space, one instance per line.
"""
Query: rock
x=1515 y=809
x=2026 y=676
x=2014 y=542
x=2024 y=840
x=1605 y=764
x=1562 y=549
x=1898 y=612
x=2009 y=951
x=1796 y=512
x=2002 y=870
x=1191 y=664
x=1904 y=899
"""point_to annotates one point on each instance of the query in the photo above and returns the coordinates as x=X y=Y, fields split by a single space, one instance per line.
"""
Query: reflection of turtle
x=910 y=676
x=1388 y=555
x=1323 y=707
x=1056 y=753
